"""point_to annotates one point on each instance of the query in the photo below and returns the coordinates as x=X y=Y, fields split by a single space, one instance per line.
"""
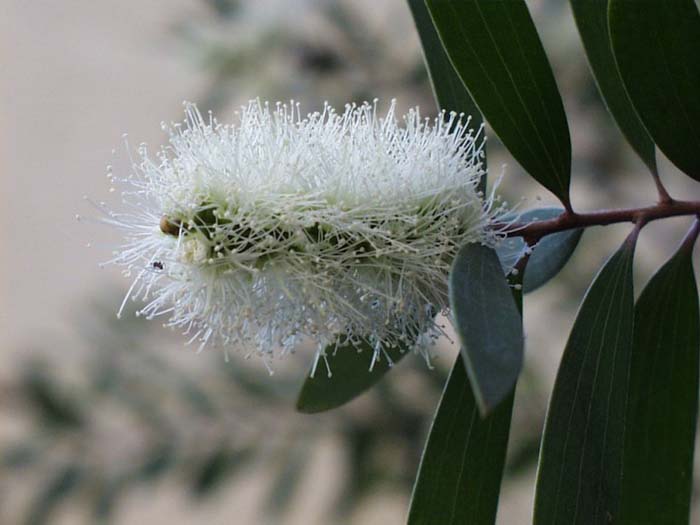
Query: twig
x=532 y=232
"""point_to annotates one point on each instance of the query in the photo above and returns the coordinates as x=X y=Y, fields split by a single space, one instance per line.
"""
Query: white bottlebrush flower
x=282 y=228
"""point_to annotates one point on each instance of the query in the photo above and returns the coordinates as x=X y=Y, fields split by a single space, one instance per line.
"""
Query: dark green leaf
x=459 y=478
x=350 y=376
x=450 y=93
x=284 y=486
x=19 y=456
x=549 y=255
x=657 y=48
x=362 y=441
x=215 y=468
x=59 y=486
x=460 y=473
x=592 y=20
x=106 y=497
x=488 y=324
x=197 y=398
x=580 y=467
x=158 y=460
x=54 y=407
x=663 y=398
x=497 y=54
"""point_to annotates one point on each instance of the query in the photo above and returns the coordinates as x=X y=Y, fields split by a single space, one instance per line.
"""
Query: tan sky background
x=76 y=75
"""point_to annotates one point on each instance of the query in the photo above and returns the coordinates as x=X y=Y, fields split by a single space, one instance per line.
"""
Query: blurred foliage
x=335 y=50
x=134 y=416
x=334 y=55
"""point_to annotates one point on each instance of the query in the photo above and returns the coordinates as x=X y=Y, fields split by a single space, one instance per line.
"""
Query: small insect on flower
x=279 y=228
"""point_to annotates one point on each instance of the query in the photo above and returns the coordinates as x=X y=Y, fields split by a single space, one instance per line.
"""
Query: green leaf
x=663 y=398
x=107 y=494
x=497 y=54
x=450 y=93
x=657 y=48
x=157 y=461
x=283 y=488
x=215 y=468
x=460 y=473
x=488 y=324
x=20 y=455
x=52 y=404
x=592 y=20
x=350 y=376
x=549 y=255
x=579 y=477
x=58 y=488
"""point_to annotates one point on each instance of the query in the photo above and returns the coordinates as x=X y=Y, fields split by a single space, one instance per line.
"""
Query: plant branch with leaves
x=628 y=370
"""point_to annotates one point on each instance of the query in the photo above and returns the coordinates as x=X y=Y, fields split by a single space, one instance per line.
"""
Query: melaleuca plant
x=353 y=230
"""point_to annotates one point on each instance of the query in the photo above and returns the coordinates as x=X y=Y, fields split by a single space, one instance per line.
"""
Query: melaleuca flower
x=280 y=228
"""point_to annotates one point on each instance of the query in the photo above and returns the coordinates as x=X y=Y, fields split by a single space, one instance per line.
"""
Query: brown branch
x=532 y=232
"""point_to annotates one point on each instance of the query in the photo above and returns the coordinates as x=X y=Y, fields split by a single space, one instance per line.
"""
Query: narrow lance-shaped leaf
x=495 y=49
x=212 y=471
x=59 y=486
x=350 y=376
x=579 y=476
x=460 y=473
x=283 y=489
x=488 y=323
x=592 y=20
x=657 y=49
x=548 y=256
x=450 y=93
x=663 y=398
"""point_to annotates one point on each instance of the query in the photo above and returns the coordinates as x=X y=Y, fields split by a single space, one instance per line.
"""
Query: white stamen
x=334 y=227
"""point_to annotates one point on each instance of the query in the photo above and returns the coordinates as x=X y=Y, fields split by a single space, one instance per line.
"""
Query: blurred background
x=116 y=421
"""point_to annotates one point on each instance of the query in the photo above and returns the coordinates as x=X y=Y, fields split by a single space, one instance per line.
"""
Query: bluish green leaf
x=592 y=20
x=460 y=473
x=579 y=477
x=495 y=49
x=657 y=49
x=488 y=324
x=350 y=376
x=548 y=257
x=663 y=398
